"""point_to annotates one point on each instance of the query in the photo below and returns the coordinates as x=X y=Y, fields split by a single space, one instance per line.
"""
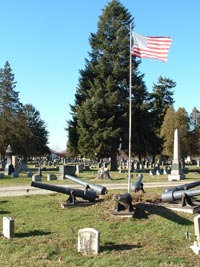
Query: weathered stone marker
x=51 y=177
x=9 y=168
x=8 y=227
x=79 y=169
x=36 y=177
x=66 y=169
x=88 y=241
x=196 y=245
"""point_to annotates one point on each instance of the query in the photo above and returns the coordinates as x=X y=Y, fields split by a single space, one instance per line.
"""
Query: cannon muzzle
x=183 y=187
x=171 y=196
x=99 y=189
x=138 y=185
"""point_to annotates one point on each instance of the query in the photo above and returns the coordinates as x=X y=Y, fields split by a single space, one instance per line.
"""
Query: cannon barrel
x=183 y=187
x=99 y=189
x=124 y=198
x=85 y=194
x=177 y=195
x=138 y=184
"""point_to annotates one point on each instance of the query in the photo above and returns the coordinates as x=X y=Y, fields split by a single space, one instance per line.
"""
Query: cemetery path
x=28 y=190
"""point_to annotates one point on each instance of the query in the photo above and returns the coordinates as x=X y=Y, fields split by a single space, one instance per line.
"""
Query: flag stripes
x=151 y=47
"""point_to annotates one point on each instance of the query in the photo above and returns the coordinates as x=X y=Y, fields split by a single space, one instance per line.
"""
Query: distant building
x=55 y=154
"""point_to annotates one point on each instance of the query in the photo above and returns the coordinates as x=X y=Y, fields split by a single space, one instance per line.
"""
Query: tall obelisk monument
x=176 y=172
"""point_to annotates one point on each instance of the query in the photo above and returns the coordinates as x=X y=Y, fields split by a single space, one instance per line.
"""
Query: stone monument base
x=176 y=177
x=177 y=207
x=9 y=168
x=195 y=248
x=124 y=214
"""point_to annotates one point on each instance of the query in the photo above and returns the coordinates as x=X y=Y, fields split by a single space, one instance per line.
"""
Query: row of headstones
x=63 y=170
x=159 y=171
x=140 y=167
x=15 y=174
x=137 y=165
x=155 y=171
x=38 y=178
x=89 y=238
x=35 y=177
x=143 y=166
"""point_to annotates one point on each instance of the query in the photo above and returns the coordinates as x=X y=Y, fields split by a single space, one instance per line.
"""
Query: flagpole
x=130 y=112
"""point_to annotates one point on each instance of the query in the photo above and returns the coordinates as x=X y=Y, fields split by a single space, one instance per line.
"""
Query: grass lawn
x=46 y=234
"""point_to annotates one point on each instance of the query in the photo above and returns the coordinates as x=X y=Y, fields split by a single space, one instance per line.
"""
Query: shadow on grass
x=118 y=179
x=118 y=247
x=32 y=233
x=3 y=201
x=3 y=211
x=144 y=210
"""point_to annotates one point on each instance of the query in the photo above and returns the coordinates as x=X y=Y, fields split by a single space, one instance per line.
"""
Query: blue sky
x=46 y=43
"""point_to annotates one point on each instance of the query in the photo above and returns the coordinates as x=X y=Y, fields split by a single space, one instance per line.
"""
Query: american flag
x=151 y=47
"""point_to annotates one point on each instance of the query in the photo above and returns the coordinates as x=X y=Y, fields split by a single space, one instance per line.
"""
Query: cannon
x=89 y=195
x=99 y=189
x=183 y=187
x=138 y=185
x=183 y=195
x=123 y=204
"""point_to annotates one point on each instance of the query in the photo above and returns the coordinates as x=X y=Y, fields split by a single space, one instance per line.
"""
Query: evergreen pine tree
x=10 y=106
x=100 y=115
x=161 y=99
x=37 y=140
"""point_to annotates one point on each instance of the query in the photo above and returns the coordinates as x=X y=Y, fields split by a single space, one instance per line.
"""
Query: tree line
x=99 y=123
x=20 y=125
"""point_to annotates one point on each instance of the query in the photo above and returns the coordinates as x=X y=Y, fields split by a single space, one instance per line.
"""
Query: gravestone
x=8 y=227
x=9 y=168
x=197 y=228
x=29 y=174
x=88 y=241
x=51 y=177
x=2 y=175
x=158 y=172
x=22 y=165
x=87 y=167
x=166 y=170
x=196 y=245
x=36 y=178
x=152 y=172
x=15 y=162
x=79 y=168
x=66 y=169
x=176 y=171
x=15 y=174
x=103 y=173
x=55 y=162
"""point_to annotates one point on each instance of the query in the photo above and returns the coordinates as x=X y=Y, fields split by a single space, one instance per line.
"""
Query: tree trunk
x=113 y=164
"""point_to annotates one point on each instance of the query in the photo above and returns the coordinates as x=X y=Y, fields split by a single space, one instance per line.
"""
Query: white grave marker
x=88 y=241
x=8 y=227
x=196 y=245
